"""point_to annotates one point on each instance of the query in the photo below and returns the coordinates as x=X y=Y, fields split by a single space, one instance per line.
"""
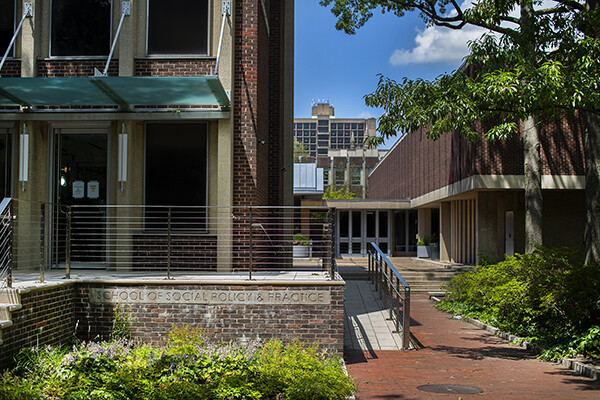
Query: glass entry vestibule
x=80 y=179
x=357 y=228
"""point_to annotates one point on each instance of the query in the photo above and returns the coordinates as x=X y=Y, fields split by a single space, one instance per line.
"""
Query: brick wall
x=151 y=322
x=188 y=252
x=11 y=68
x=51 y=68
x=170 y=67
x=47 y=317
x=417 y=165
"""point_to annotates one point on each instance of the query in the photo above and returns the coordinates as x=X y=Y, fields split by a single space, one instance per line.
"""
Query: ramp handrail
x=388 y=282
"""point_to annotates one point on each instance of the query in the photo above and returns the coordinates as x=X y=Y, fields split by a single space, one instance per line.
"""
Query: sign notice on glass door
x=78 y=189
x=93 y=189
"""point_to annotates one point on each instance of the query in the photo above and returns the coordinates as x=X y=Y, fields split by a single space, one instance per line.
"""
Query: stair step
x=9 y=296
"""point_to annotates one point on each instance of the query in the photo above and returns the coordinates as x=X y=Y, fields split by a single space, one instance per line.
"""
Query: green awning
x=110 y=91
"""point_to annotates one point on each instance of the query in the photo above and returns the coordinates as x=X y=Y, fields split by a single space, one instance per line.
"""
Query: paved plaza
x=451 y=353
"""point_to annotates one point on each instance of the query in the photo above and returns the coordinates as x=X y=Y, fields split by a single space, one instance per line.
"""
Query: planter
x=423 y=251
x=434 y=251
x=299 y=251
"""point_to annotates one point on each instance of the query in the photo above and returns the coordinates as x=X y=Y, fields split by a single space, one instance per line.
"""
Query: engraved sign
x=208 y=296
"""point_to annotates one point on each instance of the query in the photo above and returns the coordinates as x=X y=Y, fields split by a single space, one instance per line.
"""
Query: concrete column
x=224 y=194
x=127 y=39
x=424 y=222
x=29 y=39
x=31 y=195
x=445 y=231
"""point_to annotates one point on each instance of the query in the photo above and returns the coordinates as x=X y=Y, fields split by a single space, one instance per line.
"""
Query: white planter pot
x=300 y=251
x=422 y=252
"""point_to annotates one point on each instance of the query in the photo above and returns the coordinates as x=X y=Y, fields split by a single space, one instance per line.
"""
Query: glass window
x=323 y=143
x=323 y=122
x=356 y=224
x=7 y=24
x=361 y=126
x=80 y=27
x=5 y=162
x=325 y=176
x=355 y=176
x=339 y=176
x=176 y=164
x=313 y=133
x=313 y=126
x=178 y=27
x=323 y=129
x=344 y=231
x=354 y=126
x=323 y=151
x=383 y=224
x=313 y=140
x=370 y=224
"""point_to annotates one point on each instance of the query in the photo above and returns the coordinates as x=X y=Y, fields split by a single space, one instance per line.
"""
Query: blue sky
x=342 y=68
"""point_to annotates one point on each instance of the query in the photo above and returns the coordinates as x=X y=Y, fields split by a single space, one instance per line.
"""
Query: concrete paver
x=367 y=326
x=458 y=353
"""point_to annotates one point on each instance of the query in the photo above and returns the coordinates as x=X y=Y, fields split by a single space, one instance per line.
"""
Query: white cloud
x=437 y=45
x=365 y=115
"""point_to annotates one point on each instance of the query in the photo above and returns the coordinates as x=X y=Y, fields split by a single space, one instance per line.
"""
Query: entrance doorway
x=80 y=165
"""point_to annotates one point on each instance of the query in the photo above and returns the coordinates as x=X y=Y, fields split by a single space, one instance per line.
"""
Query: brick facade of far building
x=470 y=195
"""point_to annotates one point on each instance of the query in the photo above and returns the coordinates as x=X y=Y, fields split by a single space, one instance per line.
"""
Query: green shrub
x=121 y=323
x=547 y=296
x=186 y=368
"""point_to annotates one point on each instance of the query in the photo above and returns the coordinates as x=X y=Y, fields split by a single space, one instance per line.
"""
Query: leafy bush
x=547 y=296
x=121 y=323
x=186 y=368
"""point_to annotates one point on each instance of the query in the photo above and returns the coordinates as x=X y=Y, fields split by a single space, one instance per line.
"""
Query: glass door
x=81 y=182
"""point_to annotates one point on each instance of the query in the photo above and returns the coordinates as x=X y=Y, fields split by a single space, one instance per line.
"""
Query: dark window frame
x=103 y=39
x=9 y=30
x=204 y=48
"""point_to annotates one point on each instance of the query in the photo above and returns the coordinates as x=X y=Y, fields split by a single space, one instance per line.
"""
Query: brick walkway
x=458 y=353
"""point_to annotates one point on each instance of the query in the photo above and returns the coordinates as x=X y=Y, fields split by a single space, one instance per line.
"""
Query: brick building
x=147 y=102
x=471 y=194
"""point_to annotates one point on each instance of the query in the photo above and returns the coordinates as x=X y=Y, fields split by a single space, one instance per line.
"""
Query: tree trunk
x=533 y=184
x=592 y=187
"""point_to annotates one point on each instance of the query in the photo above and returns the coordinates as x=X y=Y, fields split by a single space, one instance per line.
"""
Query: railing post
x=68 y=245
x=169 y=242
x=11 y=213
x=251 y=248
x=42 y=238
x=369 y=255
x=406 y=320
x=398 y=308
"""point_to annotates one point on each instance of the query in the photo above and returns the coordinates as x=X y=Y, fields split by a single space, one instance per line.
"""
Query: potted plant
x=300 y=246
x=423 y=249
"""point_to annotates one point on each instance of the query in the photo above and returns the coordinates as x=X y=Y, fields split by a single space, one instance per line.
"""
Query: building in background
x=337 y=147
x=470 y=195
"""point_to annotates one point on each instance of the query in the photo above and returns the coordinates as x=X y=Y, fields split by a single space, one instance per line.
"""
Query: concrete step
x=9 y=296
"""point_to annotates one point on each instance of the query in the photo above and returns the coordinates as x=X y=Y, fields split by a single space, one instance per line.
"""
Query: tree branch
x=572 y=4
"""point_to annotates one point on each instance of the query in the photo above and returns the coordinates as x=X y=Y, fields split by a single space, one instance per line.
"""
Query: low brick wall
x=229 y=311
x=47 y=317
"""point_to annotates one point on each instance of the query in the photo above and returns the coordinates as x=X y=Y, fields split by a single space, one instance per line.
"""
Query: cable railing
x=171 y=240
x=5 y=244
x=393 y=289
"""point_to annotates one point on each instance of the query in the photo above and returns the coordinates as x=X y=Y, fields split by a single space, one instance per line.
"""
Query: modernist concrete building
x=471 y=194
x=147 y=102
x=337 y=146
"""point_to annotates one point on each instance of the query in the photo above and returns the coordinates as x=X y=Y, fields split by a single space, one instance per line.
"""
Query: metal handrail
x=387 y=281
